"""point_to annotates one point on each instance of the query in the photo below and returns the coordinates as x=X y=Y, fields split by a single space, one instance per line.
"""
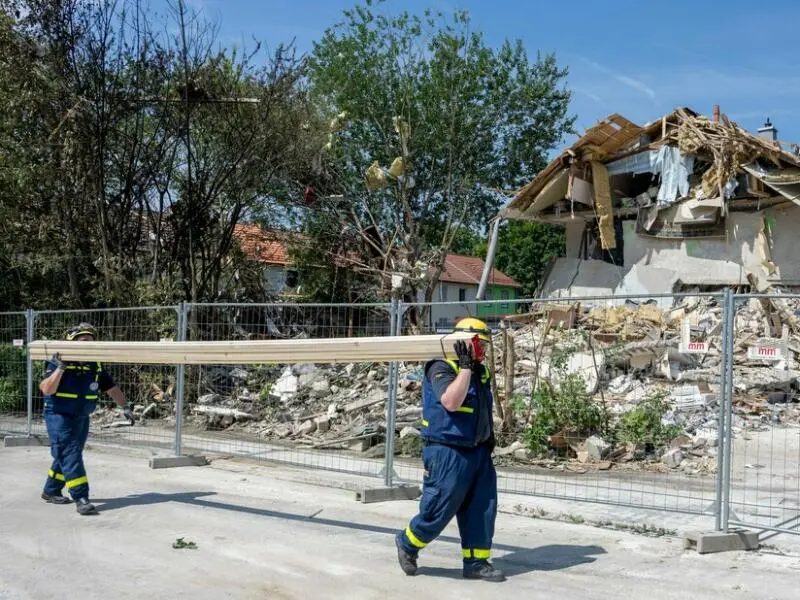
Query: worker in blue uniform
x=71 y=390
x=459 y=477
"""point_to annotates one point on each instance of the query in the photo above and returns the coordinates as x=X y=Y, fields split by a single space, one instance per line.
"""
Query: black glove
x=491 y=442
x=128 y=414
x=464 y=353
x=56 y=360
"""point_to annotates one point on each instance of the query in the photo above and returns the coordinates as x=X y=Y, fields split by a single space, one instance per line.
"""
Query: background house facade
x=459 y=284
x=269 y=248
x=456 y=290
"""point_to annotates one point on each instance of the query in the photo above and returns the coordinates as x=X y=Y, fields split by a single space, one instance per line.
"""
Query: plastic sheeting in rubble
x=675 y=169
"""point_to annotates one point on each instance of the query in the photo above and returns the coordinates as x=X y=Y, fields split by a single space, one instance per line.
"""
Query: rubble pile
x=626 y=355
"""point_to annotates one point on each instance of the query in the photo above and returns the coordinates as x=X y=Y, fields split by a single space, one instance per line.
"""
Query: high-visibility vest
x=460 y=427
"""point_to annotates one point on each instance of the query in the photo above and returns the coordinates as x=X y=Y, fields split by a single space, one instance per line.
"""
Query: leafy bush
x=562 y=404
x=643 y=424
x=563 y=407
x=13 y=376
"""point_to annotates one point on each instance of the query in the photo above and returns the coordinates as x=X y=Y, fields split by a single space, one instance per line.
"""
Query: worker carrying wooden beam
x=71 y=390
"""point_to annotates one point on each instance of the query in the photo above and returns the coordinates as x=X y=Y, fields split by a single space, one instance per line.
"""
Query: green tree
x=128 y=157
x=525 y=250
x=428 y=123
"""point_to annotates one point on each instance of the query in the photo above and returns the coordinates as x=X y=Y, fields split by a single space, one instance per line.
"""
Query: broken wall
x=574 y=234
x=724 y=261
x=653 y=266
x=576 y=277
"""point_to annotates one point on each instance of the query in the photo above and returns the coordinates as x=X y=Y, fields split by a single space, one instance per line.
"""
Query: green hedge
x=12 y=379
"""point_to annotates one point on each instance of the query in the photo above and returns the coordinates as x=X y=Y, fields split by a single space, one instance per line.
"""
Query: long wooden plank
x=325 y=350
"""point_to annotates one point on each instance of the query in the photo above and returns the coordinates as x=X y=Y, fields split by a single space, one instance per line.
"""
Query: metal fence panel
x=618 y=400
x=151 y=388
x=610 y=400
x=13 y=373
x=764 y=487
x=320 y=416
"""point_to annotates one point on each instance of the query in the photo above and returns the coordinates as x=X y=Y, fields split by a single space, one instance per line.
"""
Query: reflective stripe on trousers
x=67 y=438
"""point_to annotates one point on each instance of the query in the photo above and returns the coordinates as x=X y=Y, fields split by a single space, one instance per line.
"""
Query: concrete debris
x=222 y=411
x=705 y=437
x=307 y=427
x=523 y=454
x=692 y=397
x=320 y=388
x=509 y=450
x=672 y=458
x=590 y=367
x=282 y=431
x=286 y=386
x=323 y=424
x=597 y=447
x=409 y=431
x=239 y=374
x=208 y=399
x=150 y=412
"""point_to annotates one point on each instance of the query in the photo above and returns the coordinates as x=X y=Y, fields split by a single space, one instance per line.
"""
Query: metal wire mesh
x=610 y=400
x=151 y=388
x=13 y=373
x=597 y=398
x=313 y=415
x=765 y=458
x=286 y=321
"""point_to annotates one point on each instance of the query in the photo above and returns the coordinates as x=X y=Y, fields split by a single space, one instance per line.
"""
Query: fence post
x=391 y=404
x=721 y=420
x=180 y=373
x=29 y=317
x=728 y=409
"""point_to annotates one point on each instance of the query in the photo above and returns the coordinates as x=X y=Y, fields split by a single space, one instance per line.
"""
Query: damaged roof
x=722 y=149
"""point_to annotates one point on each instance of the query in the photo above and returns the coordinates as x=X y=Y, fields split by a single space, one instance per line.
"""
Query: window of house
x=504 y=295
x=462 y=294
x=292 y=278
x=443 y=293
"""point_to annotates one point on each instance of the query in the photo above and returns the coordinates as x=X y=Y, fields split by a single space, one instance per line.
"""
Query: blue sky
x=636 y=57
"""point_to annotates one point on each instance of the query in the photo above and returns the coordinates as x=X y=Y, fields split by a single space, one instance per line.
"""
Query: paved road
x=765 y=478
x=263 y=532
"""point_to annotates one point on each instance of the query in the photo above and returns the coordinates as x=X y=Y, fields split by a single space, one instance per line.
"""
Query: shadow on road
x=516 y=561
x=146 y=499
x=519 y=561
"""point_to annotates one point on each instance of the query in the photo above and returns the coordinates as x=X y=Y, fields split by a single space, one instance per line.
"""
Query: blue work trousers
x=461 y=483
x=68 y=436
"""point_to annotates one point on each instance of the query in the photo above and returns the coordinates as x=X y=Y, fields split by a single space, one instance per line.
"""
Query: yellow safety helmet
x=476 y=326
x=79 y=330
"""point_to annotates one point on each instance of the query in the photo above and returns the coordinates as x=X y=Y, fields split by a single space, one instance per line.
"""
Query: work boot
x=55 y=499
x=408 y=562
x=84 y=507
x=483 y=570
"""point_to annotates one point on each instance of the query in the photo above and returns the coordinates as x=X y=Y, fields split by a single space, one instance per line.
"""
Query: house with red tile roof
x=269 y=247
x=458 y=284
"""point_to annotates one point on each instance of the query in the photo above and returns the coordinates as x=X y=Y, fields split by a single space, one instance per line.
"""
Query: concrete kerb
x=719 y=541
x=403 y=492
x=22 y=441
x=168 y=462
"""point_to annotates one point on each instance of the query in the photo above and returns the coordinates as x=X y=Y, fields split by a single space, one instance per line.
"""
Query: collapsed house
x=682 y=204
